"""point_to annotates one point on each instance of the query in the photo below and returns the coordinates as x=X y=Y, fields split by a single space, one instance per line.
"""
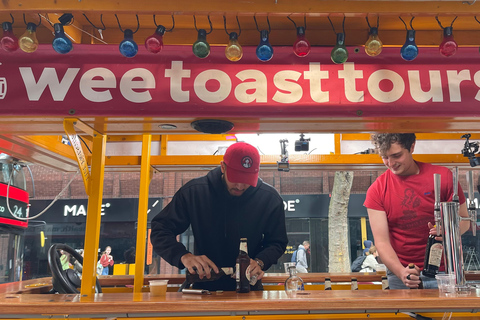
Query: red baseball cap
x=243 y=163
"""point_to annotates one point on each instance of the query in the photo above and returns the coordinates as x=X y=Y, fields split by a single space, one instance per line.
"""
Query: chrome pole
x=452 y=241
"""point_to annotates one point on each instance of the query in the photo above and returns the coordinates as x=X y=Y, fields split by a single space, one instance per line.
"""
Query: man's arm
x=275 y=238
x=464 y=224
x=379 y=225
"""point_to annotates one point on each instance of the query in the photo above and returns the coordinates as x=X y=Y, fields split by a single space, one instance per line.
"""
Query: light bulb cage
x=225 y=26
x=268 y=22
x=209 y=21
x=123 y=31
x=101 y=20
x=333 y=27
x=451 y=25
x=36 y=25
x=166 y=30
x=411 y=23
x=13 y=20
x=304 y=22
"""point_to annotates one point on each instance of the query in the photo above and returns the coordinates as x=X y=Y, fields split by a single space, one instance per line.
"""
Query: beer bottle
x=194 y=277
x=243 y=261
x=354 y=284
x=433 y=257
x=328 y=284
x=385 y=283
x=412 y=266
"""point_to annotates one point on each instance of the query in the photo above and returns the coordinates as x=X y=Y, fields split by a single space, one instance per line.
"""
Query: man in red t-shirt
x=400 y=205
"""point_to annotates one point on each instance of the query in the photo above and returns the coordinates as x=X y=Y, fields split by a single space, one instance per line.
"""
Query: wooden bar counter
x=15 y=302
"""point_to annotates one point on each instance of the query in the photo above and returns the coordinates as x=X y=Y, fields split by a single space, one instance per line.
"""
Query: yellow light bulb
x=233 y=51
x=373 y=46
x=28 y=41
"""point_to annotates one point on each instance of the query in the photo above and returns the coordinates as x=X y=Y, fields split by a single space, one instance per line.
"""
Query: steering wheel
x=66 y=281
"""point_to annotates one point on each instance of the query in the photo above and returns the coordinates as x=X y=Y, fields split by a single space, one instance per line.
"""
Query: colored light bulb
x=373 y=46
x=409 y=50
x=28 y=41
x=9 y=41
x=301 y=46
x=201 y=48
x=339 y=53
x=264 y=49
x=449 y=46
x=154 y=43
x=233 y=51
x=128 y=47
x=61 y=43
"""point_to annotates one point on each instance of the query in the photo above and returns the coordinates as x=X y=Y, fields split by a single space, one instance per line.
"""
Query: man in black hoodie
x=227 y=204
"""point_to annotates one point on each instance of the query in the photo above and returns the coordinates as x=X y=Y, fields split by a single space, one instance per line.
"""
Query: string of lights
x=62 y=43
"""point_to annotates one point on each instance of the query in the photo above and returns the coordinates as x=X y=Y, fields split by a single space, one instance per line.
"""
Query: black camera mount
x=470 y=149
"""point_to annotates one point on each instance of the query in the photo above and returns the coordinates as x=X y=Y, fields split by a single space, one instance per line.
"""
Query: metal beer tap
x=452 y=238
x=472 y=210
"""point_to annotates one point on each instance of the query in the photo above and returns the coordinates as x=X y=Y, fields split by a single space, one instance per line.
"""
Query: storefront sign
x=75 y=210
x=98 y=80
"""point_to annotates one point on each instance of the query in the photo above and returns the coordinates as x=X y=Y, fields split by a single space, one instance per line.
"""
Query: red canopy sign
x=96 y=80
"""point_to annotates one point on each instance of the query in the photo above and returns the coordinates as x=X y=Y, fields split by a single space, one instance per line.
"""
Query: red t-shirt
x=409 y=204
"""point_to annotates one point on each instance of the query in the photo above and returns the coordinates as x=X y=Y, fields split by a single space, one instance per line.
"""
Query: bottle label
x=243 y=246
x=227 y=270
x=435 y=257
x=237 y=272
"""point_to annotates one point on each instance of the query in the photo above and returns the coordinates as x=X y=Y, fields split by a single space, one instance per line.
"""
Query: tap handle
x=455 y=185
x=437 y=178
x=473 y=222
x=471 y=194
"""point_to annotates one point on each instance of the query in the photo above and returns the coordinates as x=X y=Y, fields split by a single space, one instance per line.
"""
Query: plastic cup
x=446 y=284
x=381 y=269
x=158 y=288
x=288 y=265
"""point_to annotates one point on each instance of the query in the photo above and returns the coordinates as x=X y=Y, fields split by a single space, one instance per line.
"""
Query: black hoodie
x=218 y=221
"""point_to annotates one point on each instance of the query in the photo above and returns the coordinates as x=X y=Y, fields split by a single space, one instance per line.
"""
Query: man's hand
x=411 y=277
x=199 y=264
x=255 y=270
x=433 y=230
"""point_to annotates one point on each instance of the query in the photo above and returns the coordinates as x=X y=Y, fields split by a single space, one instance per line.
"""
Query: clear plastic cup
x=446 y=284
x=158 y=288
x=381 y=269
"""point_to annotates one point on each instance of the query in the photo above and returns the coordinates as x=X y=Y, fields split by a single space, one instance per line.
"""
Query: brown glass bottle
x=243 y=261
x=194 y=277
x=412 y=266
x=433 y=257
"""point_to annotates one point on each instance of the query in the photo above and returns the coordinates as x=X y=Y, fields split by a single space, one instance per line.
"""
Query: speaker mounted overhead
x=213 y=126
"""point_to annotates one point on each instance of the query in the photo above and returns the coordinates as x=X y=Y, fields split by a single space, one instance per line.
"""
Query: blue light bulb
x=128 y=47
x=61 y=43
x=409 y=50
x=264 y=49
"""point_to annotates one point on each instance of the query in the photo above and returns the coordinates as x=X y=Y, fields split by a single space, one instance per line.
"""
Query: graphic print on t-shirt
x=410 y=203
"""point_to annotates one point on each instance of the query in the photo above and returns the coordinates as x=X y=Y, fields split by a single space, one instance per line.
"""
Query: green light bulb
x=339 y=52
x=373 y=46
x=201 y=48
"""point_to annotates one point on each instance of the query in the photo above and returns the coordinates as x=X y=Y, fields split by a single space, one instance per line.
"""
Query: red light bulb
x=301 y=47
x=154 y=43
x=448 y=47
x=9 y=41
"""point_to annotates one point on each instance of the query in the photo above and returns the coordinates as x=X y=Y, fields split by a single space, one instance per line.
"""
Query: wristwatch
x=260 y=263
